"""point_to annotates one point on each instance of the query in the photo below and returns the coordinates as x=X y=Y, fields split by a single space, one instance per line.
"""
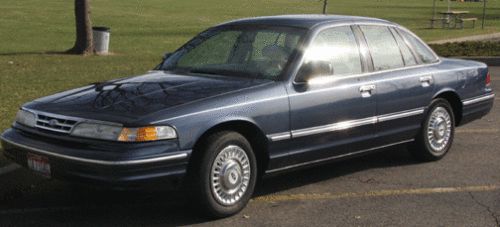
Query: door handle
x=366 y=90
x=426 y=81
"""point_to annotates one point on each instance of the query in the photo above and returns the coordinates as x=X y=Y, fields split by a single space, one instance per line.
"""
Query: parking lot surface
x=387 y=188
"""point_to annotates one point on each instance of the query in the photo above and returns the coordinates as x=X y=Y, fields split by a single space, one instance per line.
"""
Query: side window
x=262 y=40
x=408 y=57
x=283 y=40
x=421 y=49
x=337 y=46
x=270 y=51
x=215 y=50
x=383 y=47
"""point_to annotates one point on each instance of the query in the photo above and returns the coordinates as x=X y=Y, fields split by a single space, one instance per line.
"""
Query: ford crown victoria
x=254 y=97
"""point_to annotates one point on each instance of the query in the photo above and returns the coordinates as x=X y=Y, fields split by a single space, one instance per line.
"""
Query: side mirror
x=314 y=69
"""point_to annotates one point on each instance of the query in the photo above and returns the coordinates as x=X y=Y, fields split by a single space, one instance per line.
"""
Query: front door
x=332 y=115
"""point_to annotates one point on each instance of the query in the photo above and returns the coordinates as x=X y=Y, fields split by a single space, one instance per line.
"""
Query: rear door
x=404 y=84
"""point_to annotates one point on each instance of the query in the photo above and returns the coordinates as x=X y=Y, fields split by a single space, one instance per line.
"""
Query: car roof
x=307 y=21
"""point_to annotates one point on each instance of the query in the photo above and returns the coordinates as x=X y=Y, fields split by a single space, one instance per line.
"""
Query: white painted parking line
x=9 y=168
x=371 y=194
x=473 y=130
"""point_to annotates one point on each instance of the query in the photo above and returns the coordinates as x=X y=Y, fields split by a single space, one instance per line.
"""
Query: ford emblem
x=53 y=122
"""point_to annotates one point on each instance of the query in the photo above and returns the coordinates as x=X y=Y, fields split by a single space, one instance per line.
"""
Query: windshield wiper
x=209 y=71
x=225 y=72
x=99 y=86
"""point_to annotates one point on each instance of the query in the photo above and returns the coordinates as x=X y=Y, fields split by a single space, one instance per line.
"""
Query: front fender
x=188 y=136
x=267 y=109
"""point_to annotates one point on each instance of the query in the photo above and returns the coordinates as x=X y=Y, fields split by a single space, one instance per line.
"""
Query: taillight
x=488 y=79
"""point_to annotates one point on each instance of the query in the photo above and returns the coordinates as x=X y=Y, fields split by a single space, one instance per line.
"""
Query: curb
x=490 y=60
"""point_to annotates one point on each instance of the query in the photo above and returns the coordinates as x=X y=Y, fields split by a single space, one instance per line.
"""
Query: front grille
x=56 y=124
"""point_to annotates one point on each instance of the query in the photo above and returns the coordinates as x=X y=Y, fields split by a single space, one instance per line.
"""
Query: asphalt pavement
x=387 y=188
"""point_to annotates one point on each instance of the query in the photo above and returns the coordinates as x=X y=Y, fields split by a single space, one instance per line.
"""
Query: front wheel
x=436 y=134
x=226 y=174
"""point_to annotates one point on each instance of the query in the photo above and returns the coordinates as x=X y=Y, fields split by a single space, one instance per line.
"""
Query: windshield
x=238 y=52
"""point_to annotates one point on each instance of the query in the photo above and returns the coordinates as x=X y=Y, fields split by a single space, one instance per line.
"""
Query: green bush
x=467 y=49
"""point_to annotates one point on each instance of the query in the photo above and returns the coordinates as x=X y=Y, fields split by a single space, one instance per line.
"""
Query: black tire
x=201 y=173
x=424 y=149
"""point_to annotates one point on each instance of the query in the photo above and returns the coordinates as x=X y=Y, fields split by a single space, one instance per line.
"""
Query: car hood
x=131 y=98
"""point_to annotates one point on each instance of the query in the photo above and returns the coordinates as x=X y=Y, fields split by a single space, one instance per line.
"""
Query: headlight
x=118 y=133
x=26 y=118
x=97 y=131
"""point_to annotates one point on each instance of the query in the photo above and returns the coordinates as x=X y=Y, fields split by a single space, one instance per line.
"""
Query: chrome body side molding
x=279 y=136
x=335 y=157
x=402 y=114
x=477 y=99
x=344 y=125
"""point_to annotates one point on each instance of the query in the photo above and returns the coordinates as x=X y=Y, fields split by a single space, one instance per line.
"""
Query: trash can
x=101 y=39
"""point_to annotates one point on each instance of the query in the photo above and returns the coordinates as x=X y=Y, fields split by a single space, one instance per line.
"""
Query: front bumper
x=101 y=163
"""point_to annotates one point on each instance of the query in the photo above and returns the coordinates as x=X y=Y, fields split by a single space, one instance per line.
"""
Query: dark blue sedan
x=254 y=97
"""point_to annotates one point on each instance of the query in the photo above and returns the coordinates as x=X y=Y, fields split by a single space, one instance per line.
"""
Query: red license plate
x=39 y=164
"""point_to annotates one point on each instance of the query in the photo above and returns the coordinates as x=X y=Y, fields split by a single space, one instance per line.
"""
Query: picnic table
x=454 y=17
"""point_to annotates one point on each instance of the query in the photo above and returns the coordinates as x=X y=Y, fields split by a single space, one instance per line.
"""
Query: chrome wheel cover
x=439 y=130
x=230 y=175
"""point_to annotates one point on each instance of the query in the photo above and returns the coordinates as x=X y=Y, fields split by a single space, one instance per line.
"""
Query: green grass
x=143 y=30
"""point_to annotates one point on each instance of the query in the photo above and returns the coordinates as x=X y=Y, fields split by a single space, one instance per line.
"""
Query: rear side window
x=338 y=46
x=421 y=49
x=383 y=47
x=408 y=57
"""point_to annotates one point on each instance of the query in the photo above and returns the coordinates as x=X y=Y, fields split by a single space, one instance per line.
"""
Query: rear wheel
x=226 y=174
x=436 y=134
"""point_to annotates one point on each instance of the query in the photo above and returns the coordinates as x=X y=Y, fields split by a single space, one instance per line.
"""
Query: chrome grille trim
x=54 y=129
x=61 y=124
x=56 y=124
x=65 y=124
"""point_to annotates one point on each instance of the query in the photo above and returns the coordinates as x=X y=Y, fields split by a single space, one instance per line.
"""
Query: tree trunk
x=83 y=44
x=325 y=4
